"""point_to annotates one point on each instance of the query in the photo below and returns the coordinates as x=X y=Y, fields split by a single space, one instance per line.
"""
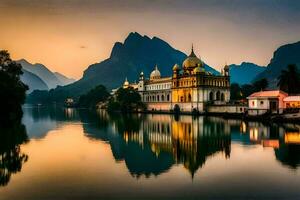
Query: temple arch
x=189 y=98
x=218 y=96
x=222 y=97
x=211 y=96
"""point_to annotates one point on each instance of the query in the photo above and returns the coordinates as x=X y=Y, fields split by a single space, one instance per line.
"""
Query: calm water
x=74 y=154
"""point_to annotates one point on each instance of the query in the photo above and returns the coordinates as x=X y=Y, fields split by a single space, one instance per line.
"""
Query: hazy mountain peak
x=245 y=72
x=33 y=81
x=52 y=80
x=63 y=79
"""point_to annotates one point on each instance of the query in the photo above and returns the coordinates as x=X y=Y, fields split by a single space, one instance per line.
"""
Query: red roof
x=292 y=98
x=270 y=93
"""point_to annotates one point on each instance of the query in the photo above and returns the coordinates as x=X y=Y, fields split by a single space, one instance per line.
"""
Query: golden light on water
x=292 y=138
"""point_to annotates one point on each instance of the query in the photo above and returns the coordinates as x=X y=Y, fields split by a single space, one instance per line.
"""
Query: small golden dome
x=198 y=69
x=191 y=61
x=176 y=67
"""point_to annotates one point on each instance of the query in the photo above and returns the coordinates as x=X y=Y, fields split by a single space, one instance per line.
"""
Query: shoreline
x=278 y=119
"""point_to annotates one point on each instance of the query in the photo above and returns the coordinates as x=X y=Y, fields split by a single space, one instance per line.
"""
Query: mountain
x=63 y=79
x=244 y=73
x=137 y=53
x=283 y=56
x=41 y=71
x=33 y=81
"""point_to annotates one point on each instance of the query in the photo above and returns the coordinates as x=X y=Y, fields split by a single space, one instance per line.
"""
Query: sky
x=69 y=35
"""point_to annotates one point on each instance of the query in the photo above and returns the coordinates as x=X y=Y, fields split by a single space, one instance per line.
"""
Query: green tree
x=289 y=80
x=247 y=90
x=126 y=100
x=94 y=96
x=235 y=91
x=12 y=89
x=261 y=84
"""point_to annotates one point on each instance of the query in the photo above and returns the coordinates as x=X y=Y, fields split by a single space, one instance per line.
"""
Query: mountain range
x=33 y=81
x=140 y=53
x=39 y=77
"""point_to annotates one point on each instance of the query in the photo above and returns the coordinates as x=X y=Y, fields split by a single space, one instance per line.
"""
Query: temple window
x=218 y=96
x=211 y=96
x=222 y=97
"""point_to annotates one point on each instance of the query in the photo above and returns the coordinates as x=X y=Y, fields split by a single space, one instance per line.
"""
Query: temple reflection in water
x=153 y=143
x=188 y=141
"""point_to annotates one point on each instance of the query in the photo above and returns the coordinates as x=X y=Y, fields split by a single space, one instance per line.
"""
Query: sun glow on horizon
x=68 y=36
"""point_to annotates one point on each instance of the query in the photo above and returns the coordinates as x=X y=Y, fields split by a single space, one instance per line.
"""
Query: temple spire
x=192 y=51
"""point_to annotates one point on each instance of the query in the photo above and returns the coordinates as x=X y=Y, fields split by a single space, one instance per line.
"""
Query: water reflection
x=122 y=156
x=11 y=156
x=285 y=139
x=151 y=144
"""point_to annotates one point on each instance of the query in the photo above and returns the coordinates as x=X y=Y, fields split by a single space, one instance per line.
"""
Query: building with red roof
x=266 y=101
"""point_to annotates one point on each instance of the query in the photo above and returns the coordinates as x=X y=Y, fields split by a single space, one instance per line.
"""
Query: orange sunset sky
x=67 y=36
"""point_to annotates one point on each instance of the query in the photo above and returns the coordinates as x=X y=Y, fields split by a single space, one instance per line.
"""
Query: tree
x=261 y=84
x=247 y=90
x=289 y=80
x=126 y=100
x=12 y=89
x=235 y=91
x=94 y=96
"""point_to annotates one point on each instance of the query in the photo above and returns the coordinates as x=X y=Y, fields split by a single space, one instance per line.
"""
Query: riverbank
x=271 y=118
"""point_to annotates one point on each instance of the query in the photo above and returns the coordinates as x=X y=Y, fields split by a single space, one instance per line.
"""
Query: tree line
x=288 y=81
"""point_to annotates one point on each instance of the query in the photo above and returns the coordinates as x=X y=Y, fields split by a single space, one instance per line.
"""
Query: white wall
x=259 y=104
x=226 y=109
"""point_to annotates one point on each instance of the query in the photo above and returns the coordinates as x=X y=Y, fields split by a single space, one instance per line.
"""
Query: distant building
x=292 y=102
x=266 y=101
x=69 y=102
x=190 y=88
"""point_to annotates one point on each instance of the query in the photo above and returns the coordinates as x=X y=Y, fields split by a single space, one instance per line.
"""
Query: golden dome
x=191 y=61
x=176 y=67
x=199 y=69
x=155 y=74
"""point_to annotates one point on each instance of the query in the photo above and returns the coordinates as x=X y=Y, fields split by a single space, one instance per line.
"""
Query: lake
x=63 y=153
